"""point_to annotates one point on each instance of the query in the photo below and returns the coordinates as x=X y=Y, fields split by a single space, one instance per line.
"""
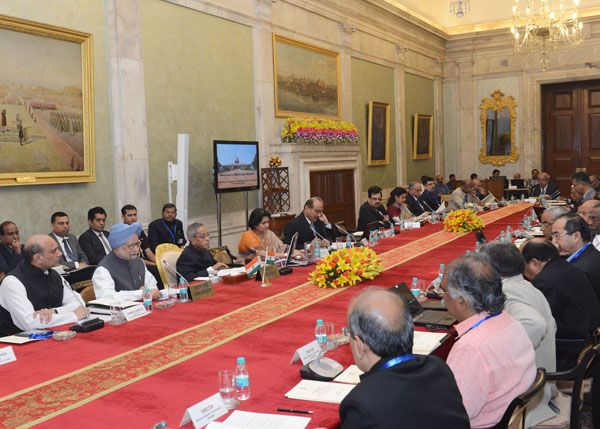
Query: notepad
x=246 y=420
x=320 y=391
x=425 y=343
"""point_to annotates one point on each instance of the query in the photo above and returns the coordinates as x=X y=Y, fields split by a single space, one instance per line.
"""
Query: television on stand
x=235 y=166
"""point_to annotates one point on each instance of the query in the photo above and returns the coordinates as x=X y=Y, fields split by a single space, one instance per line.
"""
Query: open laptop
x=519 y=183
x=422 y=317
x=290 y=262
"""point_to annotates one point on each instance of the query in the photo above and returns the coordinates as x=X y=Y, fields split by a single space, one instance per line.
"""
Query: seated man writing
x=196 y=260
x=122 y=274
x=33 y=296
x=396 y=384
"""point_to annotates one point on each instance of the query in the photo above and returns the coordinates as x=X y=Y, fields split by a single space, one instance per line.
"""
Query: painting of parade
x=46 y=104
x=307 y=80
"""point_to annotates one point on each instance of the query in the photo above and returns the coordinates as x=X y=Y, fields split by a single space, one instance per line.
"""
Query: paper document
x=351 y=375
x=425 y=343
x=107 y=302
x=489 y=198
x=232 y=271
x=13 y=339
x=320 y=391
x=245 y=420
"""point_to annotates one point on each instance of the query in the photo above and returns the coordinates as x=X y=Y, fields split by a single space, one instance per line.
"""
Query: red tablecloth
x=141 y=401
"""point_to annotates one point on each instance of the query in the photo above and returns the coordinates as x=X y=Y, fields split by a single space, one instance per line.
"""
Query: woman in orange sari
x=259 y=237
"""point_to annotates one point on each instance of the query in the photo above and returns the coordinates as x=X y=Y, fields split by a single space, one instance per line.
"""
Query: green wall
x=199 y=80
x=31 y=206
x=418 y=98
x=373 y=82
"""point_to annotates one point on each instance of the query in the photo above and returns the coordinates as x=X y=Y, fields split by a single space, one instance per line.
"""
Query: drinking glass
x=308 y=251
x=227 y=388
x=331 y=337
x=116 y=315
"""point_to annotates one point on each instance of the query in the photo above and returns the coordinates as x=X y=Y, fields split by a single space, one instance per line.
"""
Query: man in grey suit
x=72 y=254
x=462 y=195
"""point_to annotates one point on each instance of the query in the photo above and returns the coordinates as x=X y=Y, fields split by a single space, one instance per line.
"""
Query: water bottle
x=512 y=199
x=414 y=287
x=316 y=251
x=371 y=239
x=441 y=270
x=321 y=334
x=147 y=297
x=502 y=240
x=502 y=235
x=242 y=380
x=468 y=253
x=508 y=233
x=183 y=292
x=477 y=247
x=348 y=241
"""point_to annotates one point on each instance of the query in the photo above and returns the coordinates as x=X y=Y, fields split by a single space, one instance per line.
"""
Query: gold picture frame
x=307 y=80
x=498 y=118
x=47 y=131
x=422 y=136
x=378 y=142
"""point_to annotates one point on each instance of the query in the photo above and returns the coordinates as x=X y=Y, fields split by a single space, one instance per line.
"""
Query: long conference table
x=154 y=368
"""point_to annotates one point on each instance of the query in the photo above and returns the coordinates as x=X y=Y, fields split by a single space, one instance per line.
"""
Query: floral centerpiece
x=462 y=221
x=346 y=267
x=274 y=161
x=318 y=131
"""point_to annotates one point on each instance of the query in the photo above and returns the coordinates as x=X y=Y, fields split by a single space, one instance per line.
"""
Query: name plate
x=270 y=271
x=7 y=355
x=134 y=312
x=307 y=353
x=199 y=290
x=412 y=225
x=205 y=412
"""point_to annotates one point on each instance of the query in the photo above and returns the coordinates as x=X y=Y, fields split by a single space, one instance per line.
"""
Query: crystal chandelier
x=543 y=28
x=459 y=7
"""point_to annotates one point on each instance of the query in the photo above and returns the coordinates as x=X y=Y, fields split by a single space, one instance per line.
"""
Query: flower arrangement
x=346 y=267
x=462 y=221
x=274 y=161
x=318 y=131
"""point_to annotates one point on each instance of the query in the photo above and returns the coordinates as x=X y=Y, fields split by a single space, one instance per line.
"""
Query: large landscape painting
x=46 y=128
x=306 y=80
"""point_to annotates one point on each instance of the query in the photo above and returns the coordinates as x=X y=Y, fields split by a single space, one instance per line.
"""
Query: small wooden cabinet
x=276 y=196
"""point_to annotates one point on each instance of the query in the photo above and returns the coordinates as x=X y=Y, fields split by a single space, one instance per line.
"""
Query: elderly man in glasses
x=122 y=274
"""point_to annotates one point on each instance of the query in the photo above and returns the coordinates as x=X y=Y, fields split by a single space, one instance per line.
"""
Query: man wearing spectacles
x=372 y=210
x=571 y=235
x=196 y=260
x=548 y=217
x=122 y=274
x=591 y=210
x=395 y=384
x=311 y=224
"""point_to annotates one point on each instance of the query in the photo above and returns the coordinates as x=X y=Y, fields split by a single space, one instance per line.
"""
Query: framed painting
x=307 y=80
x=378 y=142
x=46 y=104
x=422 y=136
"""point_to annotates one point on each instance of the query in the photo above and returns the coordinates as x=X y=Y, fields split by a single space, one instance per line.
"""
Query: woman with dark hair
x=259 y=237
x=396 y=205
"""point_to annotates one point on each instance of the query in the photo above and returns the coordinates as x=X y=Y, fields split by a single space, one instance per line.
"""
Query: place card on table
x=307 y=353
x=199 y=290
x=134 y=312
x=205 y=411
x=7 y=355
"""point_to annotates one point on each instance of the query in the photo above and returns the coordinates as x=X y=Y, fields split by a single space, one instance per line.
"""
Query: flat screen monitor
x=235 y=166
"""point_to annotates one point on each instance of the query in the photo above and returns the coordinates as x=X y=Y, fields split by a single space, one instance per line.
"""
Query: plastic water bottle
x=348 y=241
x=371 y=239
x=508 y=232
x=183 y=292
x=477 y=247
x=147 y=297
x=242 y=380
x=512 y=199
x=321 y=334
x=468 y=253
x=441 y=270
x=502 y=235
x=414 y=287
x=316 y=250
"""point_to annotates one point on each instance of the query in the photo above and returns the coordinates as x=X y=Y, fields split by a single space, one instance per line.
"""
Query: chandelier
x=459 y=7
x=543 y=28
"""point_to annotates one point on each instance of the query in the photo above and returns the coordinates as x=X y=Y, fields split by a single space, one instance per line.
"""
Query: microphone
x=385 y=218
x=345 y=232
x=555 y=194
x=82 y=302
x=176 y=272
x=430 y=209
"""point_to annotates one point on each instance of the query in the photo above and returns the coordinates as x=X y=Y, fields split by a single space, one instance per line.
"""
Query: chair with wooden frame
x=170 y=253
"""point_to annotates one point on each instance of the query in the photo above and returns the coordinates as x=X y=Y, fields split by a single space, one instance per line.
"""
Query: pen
x=294 y=411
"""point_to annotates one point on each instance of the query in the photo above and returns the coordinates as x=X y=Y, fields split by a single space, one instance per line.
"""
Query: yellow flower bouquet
x=462 y=221
x=274 y=161
x=346 y=267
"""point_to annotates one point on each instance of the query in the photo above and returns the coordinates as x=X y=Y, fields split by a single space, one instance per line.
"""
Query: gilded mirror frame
x=498 y=103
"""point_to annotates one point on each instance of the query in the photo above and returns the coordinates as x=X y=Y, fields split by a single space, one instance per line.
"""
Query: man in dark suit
x=545 y=187
x=429 y=200
x=372 y=210
x=395 y=383
x=94 y=241
x=571 y=235
x=167 y=229
x=11 y=249
x=415 y=189
x=196 y=260
x=73 y=255
x=311 y=224
x=569 y=294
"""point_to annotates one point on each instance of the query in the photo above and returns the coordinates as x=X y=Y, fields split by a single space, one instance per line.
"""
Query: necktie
x=312 y=227
x=68 y=250
x=104 y=242
x=543 y=191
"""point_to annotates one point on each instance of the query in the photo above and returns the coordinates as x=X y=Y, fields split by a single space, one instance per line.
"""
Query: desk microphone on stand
x=321 y=369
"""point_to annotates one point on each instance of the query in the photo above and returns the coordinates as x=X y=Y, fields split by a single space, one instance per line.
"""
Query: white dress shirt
x=104 y=241
x=596 y=241
x=13 y=297
x=104 y=286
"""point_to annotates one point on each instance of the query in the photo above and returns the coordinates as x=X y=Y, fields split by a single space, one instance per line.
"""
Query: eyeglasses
x=134 y=245
x=555 y=235
x=438 y=289
x=547 y=223
x=204 y=236
x=375 y=199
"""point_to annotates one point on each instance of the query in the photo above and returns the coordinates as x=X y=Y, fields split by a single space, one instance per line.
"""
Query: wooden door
x=337 y=190
x=570 y=130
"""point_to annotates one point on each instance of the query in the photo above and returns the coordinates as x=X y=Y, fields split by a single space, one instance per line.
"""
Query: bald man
x=33 y=296
x=396 y=383
x=461 y=195
x=545 y=187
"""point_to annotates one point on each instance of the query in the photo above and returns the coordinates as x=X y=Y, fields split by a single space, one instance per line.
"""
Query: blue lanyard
x=168 y=229
x=576 y=254
x=396 y=361
x=489 y=316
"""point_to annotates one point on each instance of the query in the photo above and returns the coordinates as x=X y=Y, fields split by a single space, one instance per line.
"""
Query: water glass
x=308 y=251
x=116 y=315
x=331 y=337
x=340 y=242
x=227 y=388
x=173 y=291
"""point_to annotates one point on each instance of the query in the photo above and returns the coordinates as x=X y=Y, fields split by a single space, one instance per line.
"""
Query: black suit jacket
x=551 y=189
x=395 y=397
x=429 y=201
x=367 y=214
x=92 y=246
x=414 y=205
x=158 y=234
x=589 y=262
x=300 y=225
x=9 y=260
x=193 y=263
x=573 y=304
x=76 y=249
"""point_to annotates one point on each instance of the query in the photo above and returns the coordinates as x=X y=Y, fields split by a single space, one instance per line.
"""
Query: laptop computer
x=290 y=262
x=422 y=317
x=519 y=183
